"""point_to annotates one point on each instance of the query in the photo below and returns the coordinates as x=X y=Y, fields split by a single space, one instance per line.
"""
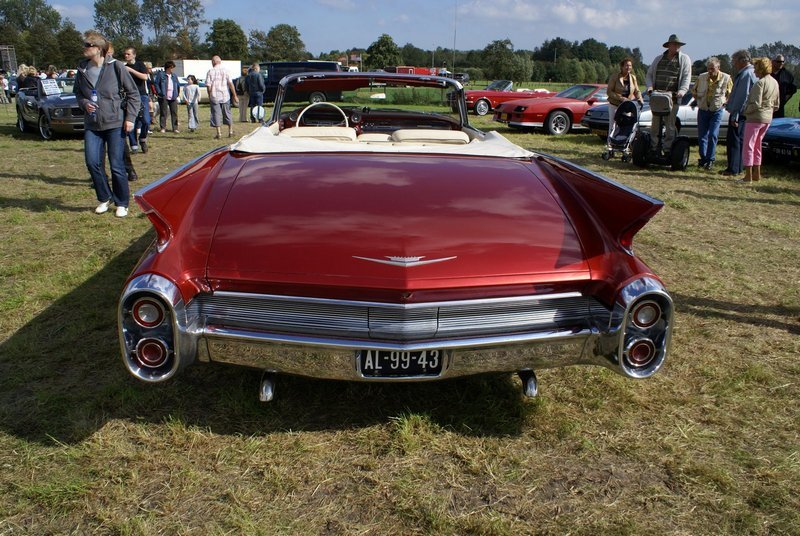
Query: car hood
x=784 y=128
x=392 y=221
x=66 y=99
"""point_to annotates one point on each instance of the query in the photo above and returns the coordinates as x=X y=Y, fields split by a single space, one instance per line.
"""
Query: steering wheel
x=321 y=103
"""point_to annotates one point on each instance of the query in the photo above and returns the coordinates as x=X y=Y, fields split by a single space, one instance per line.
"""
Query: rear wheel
x=316 y=96
x=641 y=145
x=679 y=156
x=45 y=130
x=482 y=107
x=557 y=123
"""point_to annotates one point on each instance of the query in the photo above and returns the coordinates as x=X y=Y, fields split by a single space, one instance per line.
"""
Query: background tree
x=415 y=56
x=498 y=60
x=257 y=48
x=284 y=44
x=25 y=14
x=553 y=50
x=156 y=14
x=186 y=17
x=521 y=67
x=382 y=53
x=70 y=43
x=119 y=20
x=790 y=52
x=593 y=50
x=227 y=39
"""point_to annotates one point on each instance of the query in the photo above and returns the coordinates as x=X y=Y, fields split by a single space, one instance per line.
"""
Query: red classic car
x=355 y=242
x=483 y=101
x=556 y=114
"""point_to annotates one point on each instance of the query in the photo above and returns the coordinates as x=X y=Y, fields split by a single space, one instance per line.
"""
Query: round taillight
x=148 y=312
x=640 y=353
x=646 y=313
x=151 y=353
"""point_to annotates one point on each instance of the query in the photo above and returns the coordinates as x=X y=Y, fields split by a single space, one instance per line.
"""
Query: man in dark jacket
x=785 y=81
x=255 y=87
x=168 y=89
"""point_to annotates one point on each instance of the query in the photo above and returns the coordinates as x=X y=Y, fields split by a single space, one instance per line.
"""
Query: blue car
x=782 y=140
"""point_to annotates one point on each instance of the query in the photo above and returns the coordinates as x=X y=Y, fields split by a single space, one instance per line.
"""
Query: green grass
x=708 y=446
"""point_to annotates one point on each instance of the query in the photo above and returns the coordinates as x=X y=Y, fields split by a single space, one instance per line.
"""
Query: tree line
x=41 y=37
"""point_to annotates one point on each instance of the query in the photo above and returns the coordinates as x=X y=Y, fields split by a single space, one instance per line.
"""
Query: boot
x=756 y=173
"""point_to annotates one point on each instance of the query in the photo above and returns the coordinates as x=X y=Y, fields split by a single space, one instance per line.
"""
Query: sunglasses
x=88 y=45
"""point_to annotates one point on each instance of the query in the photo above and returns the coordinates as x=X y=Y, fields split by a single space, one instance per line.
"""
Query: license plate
x=400 y=364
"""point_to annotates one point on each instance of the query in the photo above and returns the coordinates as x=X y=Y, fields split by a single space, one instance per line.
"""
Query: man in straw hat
x=670 y=72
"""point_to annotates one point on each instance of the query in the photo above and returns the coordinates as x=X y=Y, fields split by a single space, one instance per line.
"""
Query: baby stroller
x=623 y=131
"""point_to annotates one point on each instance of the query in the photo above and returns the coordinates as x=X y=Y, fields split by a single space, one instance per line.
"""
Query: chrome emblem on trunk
x=404 y=261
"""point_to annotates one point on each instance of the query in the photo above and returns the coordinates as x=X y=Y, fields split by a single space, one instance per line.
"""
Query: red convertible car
x=352 y=242
x=483 y=101
x=557 y=115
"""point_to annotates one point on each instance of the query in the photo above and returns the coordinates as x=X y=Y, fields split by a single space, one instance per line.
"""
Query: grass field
x=708 y=446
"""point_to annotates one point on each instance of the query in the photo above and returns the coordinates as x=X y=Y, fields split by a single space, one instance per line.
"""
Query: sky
x=708 y=27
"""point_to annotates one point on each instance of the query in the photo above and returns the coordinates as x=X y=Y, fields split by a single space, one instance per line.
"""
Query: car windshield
x=336 y=95
x=499 y=85
x=577 y=92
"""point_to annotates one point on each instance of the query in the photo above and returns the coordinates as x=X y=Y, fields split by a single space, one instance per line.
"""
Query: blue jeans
x=708 y=124
x=734 y=140
x=142 y=122
x=95 y=143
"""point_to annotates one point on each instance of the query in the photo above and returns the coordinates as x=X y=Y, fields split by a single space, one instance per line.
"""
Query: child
x=191 y=93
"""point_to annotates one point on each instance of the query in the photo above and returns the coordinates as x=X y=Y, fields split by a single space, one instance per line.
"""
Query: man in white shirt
x=220 y=90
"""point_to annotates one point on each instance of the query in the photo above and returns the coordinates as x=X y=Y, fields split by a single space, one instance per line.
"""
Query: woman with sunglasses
x=100 y=86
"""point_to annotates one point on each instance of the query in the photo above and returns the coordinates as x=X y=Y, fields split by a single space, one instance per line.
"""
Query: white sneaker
x=121 y=212
x=102 y=208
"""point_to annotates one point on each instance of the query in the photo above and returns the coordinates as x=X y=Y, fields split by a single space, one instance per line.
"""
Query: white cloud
x=566 y=13
x=602 y=18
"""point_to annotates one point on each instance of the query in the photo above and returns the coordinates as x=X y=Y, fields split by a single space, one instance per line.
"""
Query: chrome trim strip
x=355 y=303
x=353 y=344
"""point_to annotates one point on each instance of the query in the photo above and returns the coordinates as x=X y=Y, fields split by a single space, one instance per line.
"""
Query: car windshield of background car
x=576 y=92
x=497 y=85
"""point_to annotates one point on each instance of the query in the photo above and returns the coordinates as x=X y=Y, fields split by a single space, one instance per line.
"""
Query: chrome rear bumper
x=322 y=338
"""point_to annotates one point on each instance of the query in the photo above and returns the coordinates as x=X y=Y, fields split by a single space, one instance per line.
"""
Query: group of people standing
x=753 y=96
x=116 y=100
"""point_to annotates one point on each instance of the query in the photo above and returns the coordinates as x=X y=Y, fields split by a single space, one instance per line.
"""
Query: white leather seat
x=332 y=133
x=429 y=136
x=375 y=137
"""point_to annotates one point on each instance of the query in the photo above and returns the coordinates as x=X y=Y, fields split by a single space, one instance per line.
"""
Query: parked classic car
x=483 y=101
x=50 y=108
x=782 y=140
x=596 y=119
x=350 y=241
x=558 y=114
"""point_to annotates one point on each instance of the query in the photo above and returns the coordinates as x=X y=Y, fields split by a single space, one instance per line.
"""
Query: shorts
x=221 y=110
